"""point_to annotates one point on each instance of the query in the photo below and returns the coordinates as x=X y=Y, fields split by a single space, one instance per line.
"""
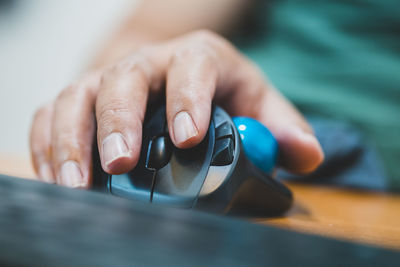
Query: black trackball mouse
x=217 y=175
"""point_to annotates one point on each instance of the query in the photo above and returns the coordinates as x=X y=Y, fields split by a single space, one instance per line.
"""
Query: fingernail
x=114 y=147
x=184 y=127
x=71 y=175
x=45 y=173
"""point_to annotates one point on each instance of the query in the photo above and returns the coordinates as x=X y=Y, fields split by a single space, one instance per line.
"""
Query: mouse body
x=216 y=175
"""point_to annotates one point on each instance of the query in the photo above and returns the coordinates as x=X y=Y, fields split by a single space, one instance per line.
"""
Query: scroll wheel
x=158 y=153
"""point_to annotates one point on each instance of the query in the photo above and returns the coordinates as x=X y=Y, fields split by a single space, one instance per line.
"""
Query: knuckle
x=145 y=51
x=39 y=151
x=205 y=36
x=42 y=111
x=68 y=92
x=113 y=111
x=90 y=82
x=69 y=145
x=117 y=115
x=209 y=39
x=202 y=45
x=185 y=101
x=194 y=51
x=76 y=91
x=69 y=141
x=136 y=63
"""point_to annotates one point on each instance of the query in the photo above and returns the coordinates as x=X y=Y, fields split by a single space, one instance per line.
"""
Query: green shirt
x=339 y=59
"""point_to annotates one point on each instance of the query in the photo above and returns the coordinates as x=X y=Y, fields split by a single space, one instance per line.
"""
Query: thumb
x=299 y=149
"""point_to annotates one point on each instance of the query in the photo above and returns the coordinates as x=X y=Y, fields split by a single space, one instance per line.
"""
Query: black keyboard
x=48 y=225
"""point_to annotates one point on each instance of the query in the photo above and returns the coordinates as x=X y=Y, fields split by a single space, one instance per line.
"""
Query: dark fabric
x=338 y=59
x=48 y=225
x=350 y=161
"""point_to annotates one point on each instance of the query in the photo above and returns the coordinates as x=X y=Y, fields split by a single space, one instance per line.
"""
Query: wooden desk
x=366 y=217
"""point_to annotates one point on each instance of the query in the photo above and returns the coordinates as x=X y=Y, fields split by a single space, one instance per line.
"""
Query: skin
x=193 y=68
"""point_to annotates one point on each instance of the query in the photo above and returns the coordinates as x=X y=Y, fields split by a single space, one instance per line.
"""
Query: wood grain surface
x=365 y=217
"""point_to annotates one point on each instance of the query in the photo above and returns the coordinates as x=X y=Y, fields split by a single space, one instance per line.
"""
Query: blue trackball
x=259 y=145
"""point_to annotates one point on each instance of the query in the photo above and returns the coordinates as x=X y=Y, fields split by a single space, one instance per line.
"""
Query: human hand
x=195 y=70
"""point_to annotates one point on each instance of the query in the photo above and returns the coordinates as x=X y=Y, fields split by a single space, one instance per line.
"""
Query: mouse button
x=154 y=125
x=158 y=153
x=179 y=182
x=224 y=130
x=223 y=152
x=133 y=185
x=219 y=117
x=216 y=176
x=173 y=191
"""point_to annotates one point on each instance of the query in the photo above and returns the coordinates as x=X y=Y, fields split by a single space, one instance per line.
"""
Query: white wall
x=44 y=44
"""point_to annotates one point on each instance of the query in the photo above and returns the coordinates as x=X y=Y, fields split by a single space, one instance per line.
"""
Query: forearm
x=156 y=20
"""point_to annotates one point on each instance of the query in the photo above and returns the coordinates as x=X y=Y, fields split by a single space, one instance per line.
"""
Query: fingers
x=40 y=142
x=242 y=90
x=207 y=65
x=73 y=127
x=120 y=110
x=196 y=68
x=201 y=66
x=191 y=83
x=300 y=151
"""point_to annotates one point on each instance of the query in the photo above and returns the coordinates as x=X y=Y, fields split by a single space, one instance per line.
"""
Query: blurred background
x=44 y=45
x=348 y=53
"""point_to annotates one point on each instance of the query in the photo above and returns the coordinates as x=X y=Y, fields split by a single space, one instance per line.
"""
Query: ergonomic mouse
x=230 y=171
